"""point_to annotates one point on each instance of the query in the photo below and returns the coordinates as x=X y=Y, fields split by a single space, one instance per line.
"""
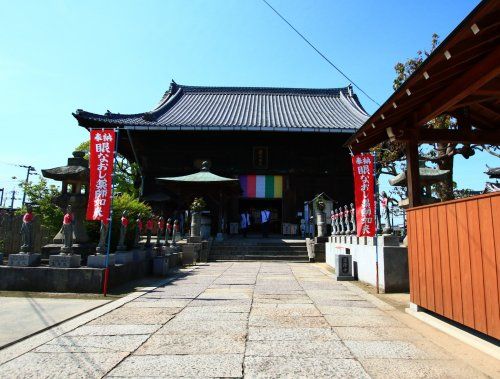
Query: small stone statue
x=353 y=219
x=386 y=213
x=67 y=231
x=159 y=231
x=123 y=231
x=138 y=231
x=175 y=231
x=168 y=231
x=341 y=221
x=346 y=220
x=332 y=218
x=103 y=236
x=149 y=231
x=336 y=221
x=27 y=231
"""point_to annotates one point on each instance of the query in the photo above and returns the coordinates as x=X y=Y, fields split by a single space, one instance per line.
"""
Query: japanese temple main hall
x=283 y=144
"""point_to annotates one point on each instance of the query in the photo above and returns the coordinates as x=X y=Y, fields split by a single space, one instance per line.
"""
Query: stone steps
x=259 y=250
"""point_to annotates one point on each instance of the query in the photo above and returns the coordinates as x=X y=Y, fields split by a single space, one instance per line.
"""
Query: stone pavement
x=234 y=319
x=23 y=316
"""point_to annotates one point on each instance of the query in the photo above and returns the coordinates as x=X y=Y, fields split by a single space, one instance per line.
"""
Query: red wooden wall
x=454 y=259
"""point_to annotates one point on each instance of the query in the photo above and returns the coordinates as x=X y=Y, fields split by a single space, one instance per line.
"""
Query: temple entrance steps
x=236 y=249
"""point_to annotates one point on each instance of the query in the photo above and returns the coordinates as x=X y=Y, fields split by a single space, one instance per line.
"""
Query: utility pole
x=1 y=198
x=12 y=199
x=31 y=170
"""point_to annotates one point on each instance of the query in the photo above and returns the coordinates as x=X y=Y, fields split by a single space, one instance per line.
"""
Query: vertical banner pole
x=110 y=223
x=377 y=226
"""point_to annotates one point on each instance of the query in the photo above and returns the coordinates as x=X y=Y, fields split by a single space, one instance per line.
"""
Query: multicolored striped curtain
x=262 y=186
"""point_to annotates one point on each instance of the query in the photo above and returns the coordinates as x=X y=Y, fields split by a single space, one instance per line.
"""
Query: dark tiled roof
x=233 y=108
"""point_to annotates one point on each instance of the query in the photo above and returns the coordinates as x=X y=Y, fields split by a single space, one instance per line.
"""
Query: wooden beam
x=413 y=173
x=477 y=76
x=458 y=136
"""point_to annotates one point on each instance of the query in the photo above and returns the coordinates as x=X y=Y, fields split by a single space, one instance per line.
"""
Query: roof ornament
x=148 y=116
x=108 y=113
x=349 y=90
x=205 y=166
x=173 y=86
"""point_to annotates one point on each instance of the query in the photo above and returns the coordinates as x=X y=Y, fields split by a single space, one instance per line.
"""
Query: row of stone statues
x=167 y=231
x=344 y=220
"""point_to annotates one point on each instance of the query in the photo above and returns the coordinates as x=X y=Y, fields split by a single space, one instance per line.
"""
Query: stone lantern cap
x=77 y=169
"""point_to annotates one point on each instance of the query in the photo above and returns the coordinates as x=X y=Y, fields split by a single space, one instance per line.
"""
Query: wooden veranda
x=454 y=247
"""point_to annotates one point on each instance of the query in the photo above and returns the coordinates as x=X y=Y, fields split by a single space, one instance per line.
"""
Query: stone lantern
x=75 y=178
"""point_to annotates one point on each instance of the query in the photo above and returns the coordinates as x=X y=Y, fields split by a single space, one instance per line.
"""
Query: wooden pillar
x=413 y=173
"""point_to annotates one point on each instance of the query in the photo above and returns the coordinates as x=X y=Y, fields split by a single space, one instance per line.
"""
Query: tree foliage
x=41 y=196
x=134 y=207
x=391 y=155
x=127 y=176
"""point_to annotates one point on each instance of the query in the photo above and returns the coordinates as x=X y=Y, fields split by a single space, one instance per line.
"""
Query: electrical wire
x=319 y=52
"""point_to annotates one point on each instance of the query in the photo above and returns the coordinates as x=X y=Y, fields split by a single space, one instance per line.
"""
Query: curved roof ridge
x=284 y=90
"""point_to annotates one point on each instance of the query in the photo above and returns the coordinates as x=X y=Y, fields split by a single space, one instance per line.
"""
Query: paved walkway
x=23 y=316
x=234 y=319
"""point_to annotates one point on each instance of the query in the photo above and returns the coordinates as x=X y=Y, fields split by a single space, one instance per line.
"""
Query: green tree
x=41 y=196
x=134 y=207
x=390 y=155
x=127 y=176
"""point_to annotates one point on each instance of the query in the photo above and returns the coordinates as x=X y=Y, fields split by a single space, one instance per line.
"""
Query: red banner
x=363 y=170
x=102 y=148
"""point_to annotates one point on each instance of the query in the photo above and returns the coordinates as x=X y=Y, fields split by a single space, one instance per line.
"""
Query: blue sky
x=57 y=56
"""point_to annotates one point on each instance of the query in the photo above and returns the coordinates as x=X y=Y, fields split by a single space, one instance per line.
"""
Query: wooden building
x=284 y=144
x=454 y=246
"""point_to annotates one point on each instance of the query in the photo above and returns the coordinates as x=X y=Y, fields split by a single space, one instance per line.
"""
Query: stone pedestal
x=192 y=239
x=321 y=223
x=190 y=253
x=195 y=224
x=161 y=265
x=99 y=261
x=138 y=255
x=24 y=260
x=343 y=267
x=124 y=257
x=310 y=250
x=65 y=261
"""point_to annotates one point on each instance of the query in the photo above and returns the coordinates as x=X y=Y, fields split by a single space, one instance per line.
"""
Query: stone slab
x=303 y=367
x=24 y=260
x=99 y=261
x=65 y=261
x=93 y=344
x=55 y=365
x=286 y=334
x=193 y=344
x=138 y=255
x=297 y=348
x=113 y=330
x=419 y=368
x=161 y=265
x=388 y=349
x=290 y=322
x=124 y=257
x=132 y=316
x=383 y=333
x=194 y=366
x=207 y=327
x=342 y=320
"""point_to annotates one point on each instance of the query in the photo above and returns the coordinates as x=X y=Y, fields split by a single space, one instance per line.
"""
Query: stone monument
x=149 y=232
x=66 y=258
x=138 y=231
x=75 y=181
x=26 y=257
x=346 y=221
x=99 y=259
x=353 y=219
x=123 y=256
